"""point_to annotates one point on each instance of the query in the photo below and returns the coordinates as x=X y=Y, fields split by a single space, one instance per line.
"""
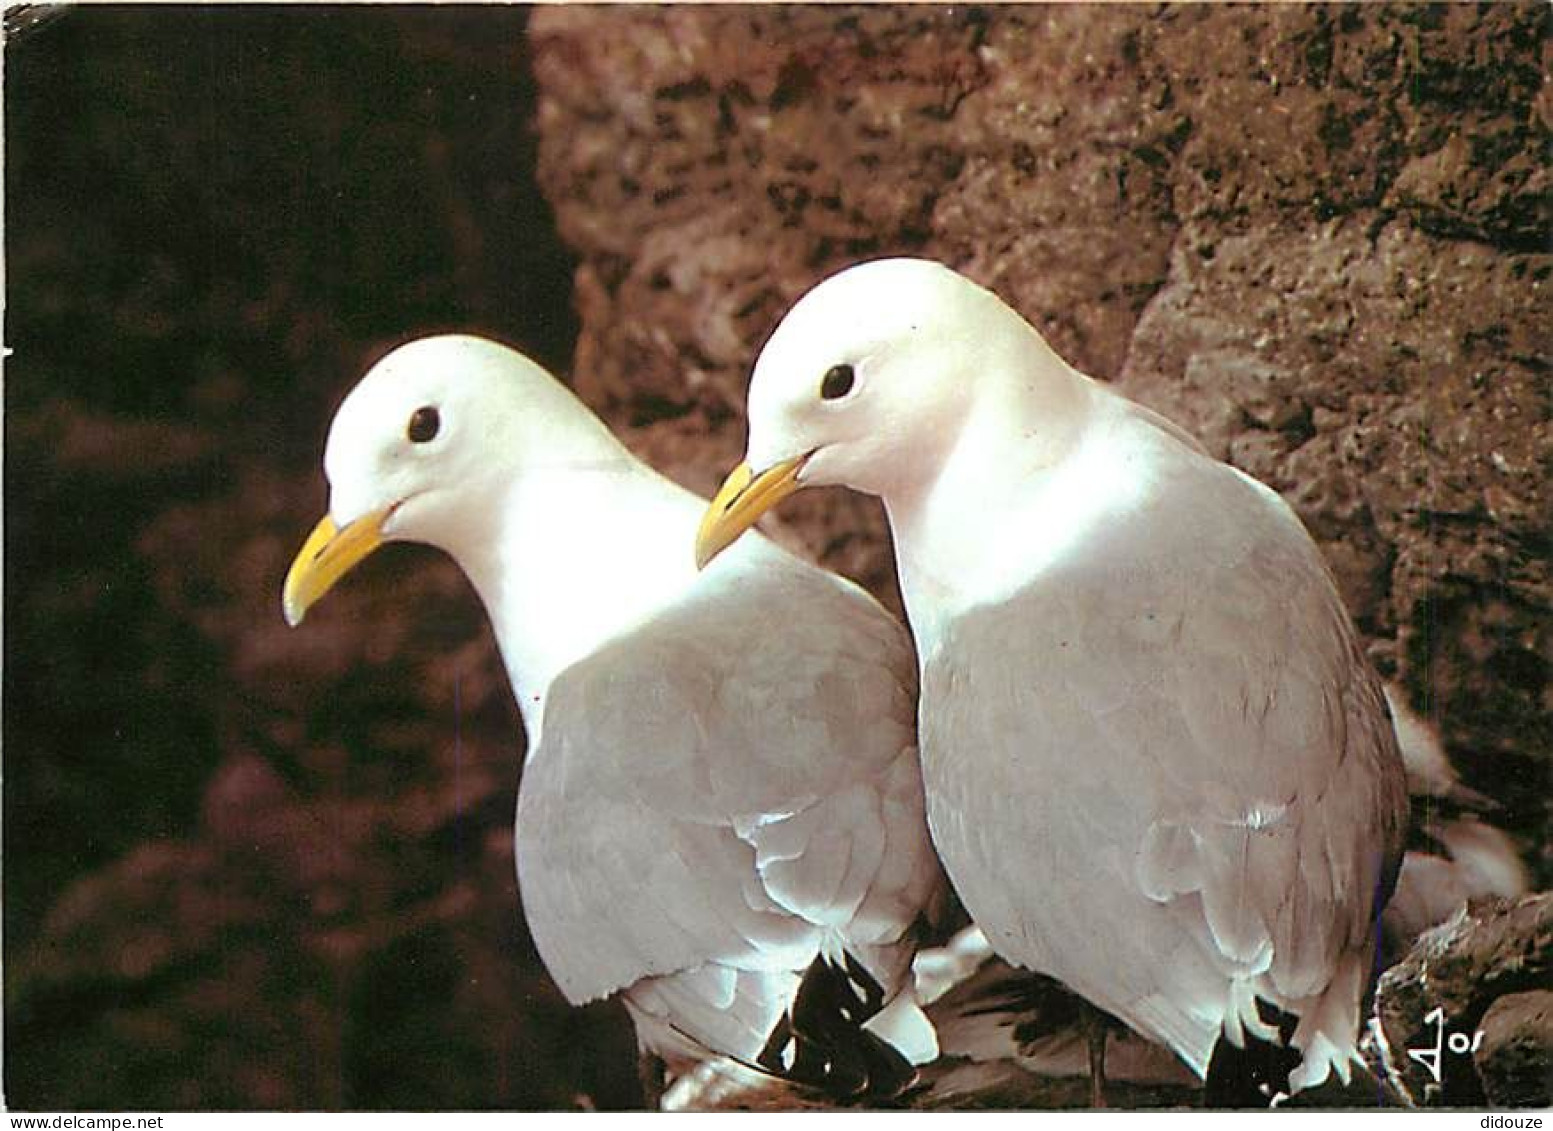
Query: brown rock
x=1313 y=235
x=1515 y=1060
x=1436 y=1000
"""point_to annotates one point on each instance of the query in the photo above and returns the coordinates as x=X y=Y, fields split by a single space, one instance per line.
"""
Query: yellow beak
x=741 y=500
x=328 y=555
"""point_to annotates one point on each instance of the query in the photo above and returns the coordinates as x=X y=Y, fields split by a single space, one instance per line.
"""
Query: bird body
x=1158 y=766
x=703 y=818
x=702 y=825
x=1176 y=766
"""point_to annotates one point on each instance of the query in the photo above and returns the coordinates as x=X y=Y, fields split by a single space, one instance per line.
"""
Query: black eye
x=837 y=383
x=424 y=423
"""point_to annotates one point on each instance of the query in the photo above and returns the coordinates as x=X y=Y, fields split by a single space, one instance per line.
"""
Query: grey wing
x=1184 y=723
x=732 y=783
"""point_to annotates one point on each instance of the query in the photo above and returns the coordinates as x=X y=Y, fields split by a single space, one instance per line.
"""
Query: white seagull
x=1158 y=765
x=719 y=822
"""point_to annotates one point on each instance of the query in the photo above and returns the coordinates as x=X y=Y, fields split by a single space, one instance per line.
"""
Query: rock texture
x=1517 y=1050
x=1314 y=235
x=246 y=866
x=1468 y=993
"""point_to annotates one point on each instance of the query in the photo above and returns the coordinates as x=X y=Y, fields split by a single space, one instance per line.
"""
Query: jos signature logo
x=1458 y=1044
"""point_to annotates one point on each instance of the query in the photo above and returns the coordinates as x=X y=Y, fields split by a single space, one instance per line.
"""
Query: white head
x=418 y=446
x=868 y=382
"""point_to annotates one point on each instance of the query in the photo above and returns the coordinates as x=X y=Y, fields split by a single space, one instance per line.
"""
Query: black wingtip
x=820 y=1042
x=1253 y=1076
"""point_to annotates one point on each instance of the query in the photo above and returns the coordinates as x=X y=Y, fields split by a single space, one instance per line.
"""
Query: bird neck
x=581 y=552
x=964 y=529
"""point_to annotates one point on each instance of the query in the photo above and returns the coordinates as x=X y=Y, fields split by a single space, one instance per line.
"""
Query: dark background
x=238 y=869
x=248 y=866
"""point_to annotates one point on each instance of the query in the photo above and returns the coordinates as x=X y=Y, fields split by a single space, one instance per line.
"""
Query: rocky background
x=244 y=865
x=247 y=866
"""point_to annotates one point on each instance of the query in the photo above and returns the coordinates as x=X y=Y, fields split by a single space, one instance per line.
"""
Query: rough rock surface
x=1315 y=235
x=247 y=866
x=1462 y=992
x=1517 y=1051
